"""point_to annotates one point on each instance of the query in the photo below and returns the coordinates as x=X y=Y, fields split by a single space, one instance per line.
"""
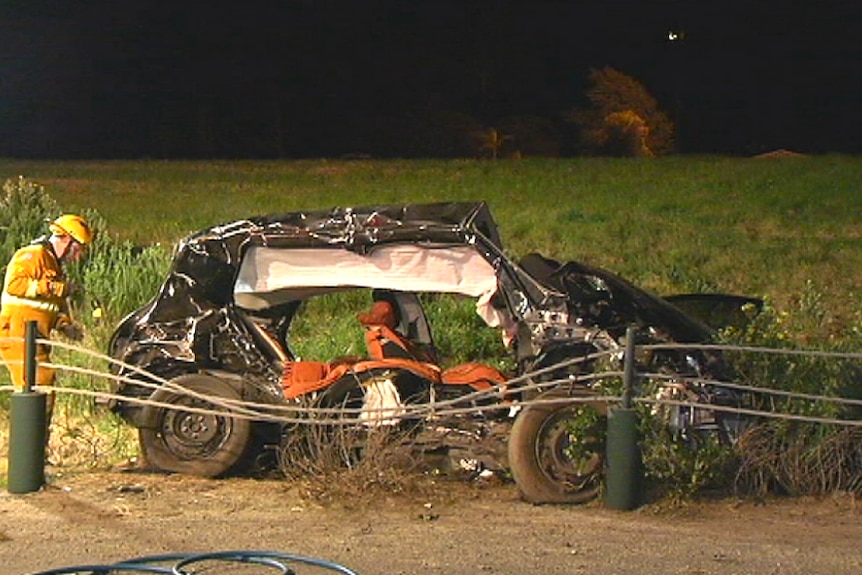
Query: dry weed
x=353 y=465
x=799 y=461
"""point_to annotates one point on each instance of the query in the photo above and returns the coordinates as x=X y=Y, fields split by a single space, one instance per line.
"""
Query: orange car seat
x=384 y=342
x=381 y=339
x=387 y=349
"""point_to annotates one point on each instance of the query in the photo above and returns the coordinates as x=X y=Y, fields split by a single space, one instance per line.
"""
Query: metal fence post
x=27 y=426
x=624 y=466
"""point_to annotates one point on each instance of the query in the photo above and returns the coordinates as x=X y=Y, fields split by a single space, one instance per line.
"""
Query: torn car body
x=222 y=319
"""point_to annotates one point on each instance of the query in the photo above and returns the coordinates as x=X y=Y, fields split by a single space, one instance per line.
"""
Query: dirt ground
x=449 y=527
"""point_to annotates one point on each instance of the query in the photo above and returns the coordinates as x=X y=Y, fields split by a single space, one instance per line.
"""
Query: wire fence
x=774 y=439
x=526 y=390
x=496 y=398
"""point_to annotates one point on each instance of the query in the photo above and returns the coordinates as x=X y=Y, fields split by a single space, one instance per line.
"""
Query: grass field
x=787 y=229
x=763 y=226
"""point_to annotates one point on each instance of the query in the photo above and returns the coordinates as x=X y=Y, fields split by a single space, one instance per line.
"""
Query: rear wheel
x=556 y=450
x=195 y=443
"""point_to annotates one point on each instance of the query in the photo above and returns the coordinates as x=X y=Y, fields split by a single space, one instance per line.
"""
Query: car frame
x=219 y=325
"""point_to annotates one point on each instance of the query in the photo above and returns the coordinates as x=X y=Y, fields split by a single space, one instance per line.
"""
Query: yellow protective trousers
x=13 y=324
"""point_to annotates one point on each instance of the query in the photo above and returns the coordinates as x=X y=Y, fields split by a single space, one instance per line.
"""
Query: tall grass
x=756 y=226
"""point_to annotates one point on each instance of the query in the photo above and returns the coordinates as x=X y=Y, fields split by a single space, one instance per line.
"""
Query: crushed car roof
x=206 y=263
x=358 y=228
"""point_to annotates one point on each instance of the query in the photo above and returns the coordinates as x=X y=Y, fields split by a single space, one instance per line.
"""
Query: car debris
x=219 y=331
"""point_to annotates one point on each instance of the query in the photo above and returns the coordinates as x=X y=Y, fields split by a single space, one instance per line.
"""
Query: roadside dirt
x=446 y=527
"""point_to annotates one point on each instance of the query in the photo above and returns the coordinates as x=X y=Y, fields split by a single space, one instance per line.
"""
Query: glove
x=63 y=288
x=58 y=288
x=73 y=331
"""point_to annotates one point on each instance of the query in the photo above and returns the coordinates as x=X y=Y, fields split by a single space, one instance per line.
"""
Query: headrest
x=382 y=313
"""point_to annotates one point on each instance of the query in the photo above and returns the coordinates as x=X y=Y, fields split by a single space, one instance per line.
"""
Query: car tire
x=540 y=460
x=205 y=445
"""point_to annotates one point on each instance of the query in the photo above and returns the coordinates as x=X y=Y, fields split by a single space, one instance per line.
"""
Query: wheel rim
x=572 y=463
x=191 y=435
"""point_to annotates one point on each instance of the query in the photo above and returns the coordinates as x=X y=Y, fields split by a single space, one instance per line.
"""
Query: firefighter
x=36 y=289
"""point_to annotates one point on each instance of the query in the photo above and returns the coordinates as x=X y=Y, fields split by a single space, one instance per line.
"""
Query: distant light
x=674 y=35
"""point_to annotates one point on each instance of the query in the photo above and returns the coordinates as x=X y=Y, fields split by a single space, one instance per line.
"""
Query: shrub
x=772 y=455
x=121 y=277
x=799 y=459
x=681 y=466
x=532 y=136
x=791 y=456
x=116 y=277
x=25 y=210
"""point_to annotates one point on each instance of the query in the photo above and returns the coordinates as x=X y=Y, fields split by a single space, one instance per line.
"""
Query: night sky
x=297 y=78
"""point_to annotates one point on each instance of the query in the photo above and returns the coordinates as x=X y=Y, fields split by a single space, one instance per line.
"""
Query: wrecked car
x=220 y=327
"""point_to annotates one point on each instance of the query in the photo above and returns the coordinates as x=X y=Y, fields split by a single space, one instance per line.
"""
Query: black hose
x=174 y=564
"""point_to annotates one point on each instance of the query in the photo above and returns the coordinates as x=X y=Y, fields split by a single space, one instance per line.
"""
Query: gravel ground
x=450 y=528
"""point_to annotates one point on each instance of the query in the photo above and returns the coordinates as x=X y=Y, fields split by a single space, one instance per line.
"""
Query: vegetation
x=784 y=229
x=623 y=118
x=763 y=227
x=491 y=142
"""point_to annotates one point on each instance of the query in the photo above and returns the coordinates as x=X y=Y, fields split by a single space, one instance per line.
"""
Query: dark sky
x=294 y=78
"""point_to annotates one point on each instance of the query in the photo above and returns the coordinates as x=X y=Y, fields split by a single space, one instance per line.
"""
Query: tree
x=623 y=118
x=490 y=142
x=625 y=134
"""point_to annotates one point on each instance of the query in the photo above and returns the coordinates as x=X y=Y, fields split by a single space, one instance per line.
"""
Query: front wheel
x=556 y=450
x=191 y=442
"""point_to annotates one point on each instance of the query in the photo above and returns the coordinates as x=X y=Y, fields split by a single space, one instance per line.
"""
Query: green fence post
x=624 y=465
x=27 y=426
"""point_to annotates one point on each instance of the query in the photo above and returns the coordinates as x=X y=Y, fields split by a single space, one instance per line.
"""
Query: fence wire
x=496 y=398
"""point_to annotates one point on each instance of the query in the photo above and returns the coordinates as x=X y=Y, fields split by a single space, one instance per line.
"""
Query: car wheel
x=193 y=443
x=345 y=393
x=556 y=450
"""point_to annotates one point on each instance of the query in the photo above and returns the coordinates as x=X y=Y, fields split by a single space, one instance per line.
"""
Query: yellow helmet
x=74 y=226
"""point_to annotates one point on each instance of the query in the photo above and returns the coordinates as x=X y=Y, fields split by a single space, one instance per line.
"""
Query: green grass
x=787 y=229
x=758 y=226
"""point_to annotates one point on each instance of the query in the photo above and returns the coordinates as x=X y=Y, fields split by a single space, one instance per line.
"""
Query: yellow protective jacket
x=34 y=289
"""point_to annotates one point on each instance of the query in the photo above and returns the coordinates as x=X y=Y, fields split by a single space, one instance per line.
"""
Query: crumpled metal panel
x=192 y=323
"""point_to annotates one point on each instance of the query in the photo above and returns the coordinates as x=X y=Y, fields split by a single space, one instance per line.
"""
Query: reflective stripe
x=32 y=288
x=7 y=299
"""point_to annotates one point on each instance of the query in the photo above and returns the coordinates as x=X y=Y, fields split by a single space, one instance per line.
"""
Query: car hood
x=598 y=297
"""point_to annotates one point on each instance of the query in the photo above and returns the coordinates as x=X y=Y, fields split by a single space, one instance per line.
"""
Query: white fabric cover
x=382 y=405
x=269 y=276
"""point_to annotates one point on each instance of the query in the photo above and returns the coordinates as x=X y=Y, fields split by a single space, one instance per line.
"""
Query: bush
x=806 y=325
x=789 y=456
x=793 y=458
x=121 y=277
x=679 y=466
x=116 y=277
x=25 y=210
x=772 y=455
